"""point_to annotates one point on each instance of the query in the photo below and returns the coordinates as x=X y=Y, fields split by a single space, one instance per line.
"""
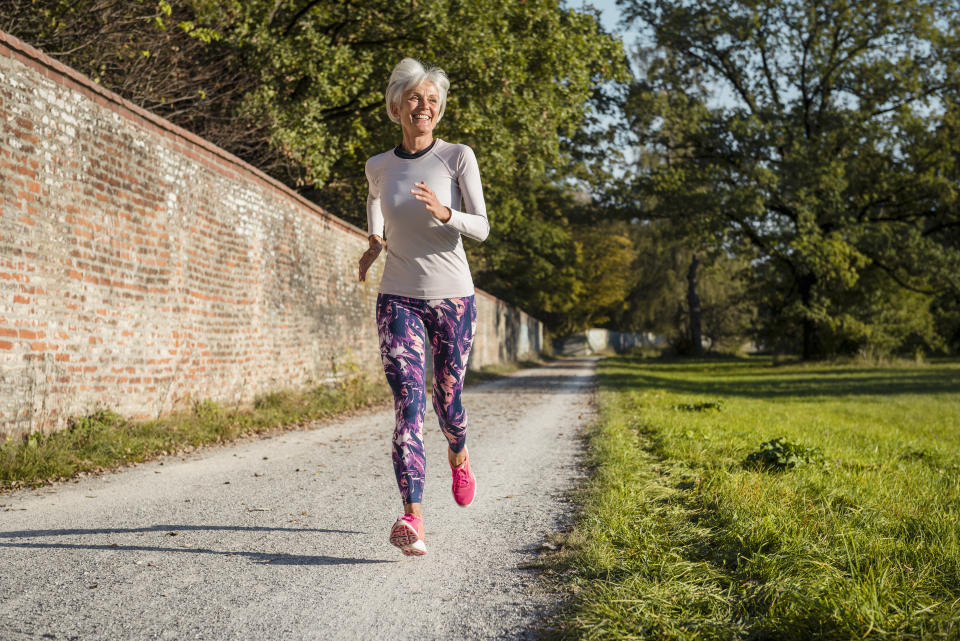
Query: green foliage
x=655 y=299
x=780 y=454
x=93 y=426
x=832 y=152
x=567 y=272
x=606 y=254
x=700 y=407
x=207 y=410
x=522 y=76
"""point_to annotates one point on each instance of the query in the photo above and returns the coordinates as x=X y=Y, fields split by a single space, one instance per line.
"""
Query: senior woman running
x=426 y=293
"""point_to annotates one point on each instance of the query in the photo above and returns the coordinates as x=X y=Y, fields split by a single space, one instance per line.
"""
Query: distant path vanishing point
x=286 y=537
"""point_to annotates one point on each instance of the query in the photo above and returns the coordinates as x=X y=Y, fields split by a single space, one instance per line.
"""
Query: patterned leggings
x=404 y=323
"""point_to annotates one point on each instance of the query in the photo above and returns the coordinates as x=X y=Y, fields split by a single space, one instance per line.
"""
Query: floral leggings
x=404 y=324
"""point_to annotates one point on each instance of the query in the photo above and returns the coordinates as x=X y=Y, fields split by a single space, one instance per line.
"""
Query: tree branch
x=891 y=272
x=299 y=14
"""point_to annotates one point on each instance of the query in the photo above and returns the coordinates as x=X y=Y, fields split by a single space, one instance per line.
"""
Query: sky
x=611 y=14
x=610 y=18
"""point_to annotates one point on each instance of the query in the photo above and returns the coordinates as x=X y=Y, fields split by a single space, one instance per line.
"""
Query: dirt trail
x=286 y=537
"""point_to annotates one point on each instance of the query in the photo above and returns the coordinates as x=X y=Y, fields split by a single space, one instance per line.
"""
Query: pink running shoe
x=464 y=483
x=407 y=534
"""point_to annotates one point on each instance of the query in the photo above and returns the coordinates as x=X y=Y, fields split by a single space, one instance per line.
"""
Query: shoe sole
x=405 y=537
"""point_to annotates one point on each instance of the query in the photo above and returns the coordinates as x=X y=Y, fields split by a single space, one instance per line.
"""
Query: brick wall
x=142 y=267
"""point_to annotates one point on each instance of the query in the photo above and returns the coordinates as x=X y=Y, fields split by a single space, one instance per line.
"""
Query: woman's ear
x=395 y=110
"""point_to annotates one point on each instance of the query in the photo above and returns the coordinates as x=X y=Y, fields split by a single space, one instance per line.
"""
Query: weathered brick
x=169 y=274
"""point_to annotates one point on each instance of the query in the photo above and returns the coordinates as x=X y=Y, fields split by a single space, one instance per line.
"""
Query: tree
x=533 y=261
x=656 y=287
x=522 y=77
x=694 y=311
x=822 y=132
x=295 y=87
x=153 y=53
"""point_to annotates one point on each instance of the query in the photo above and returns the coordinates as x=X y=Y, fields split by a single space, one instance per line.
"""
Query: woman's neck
x=414 y=144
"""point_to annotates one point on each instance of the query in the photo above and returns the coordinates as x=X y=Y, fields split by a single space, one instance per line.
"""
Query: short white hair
x=409 y=74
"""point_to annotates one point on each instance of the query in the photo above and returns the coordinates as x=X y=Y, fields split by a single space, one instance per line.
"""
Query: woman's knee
x=450 y=414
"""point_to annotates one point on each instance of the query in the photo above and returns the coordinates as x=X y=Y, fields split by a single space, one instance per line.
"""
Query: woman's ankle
x=456 y=458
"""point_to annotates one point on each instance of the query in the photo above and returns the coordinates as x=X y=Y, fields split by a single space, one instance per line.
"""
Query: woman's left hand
x=425 y=195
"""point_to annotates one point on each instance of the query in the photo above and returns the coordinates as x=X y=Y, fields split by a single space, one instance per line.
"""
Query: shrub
x=780 y=454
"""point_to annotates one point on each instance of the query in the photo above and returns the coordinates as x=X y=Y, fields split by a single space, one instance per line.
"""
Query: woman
x=426 y=292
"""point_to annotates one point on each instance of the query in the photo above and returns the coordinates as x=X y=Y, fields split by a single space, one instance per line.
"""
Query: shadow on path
x=258 y=557
x=541 y=379
x=167 y=528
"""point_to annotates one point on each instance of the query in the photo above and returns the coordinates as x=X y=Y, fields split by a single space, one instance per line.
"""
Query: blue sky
x=611 y=14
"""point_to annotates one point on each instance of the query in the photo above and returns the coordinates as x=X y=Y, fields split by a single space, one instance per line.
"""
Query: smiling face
x=418 y=110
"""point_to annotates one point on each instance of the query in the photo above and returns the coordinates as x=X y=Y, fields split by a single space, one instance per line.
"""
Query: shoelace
x=460 y=476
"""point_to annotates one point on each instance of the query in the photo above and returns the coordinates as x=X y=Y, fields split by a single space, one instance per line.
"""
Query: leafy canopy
x=822 y=132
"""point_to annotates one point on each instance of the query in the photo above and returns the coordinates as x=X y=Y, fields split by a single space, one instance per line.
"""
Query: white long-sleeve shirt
x=425 y=258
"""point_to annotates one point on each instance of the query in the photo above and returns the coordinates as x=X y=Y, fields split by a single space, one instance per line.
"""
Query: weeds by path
x=845 y=522
x=105 y=439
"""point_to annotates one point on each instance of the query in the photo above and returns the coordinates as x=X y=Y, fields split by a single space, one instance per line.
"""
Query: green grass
x=846 y=528
x=105 y=439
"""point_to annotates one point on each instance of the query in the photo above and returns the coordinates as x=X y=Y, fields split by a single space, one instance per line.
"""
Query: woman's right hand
x=369 y=256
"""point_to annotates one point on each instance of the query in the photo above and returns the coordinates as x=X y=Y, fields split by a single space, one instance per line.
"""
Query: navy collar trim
x=403 y=153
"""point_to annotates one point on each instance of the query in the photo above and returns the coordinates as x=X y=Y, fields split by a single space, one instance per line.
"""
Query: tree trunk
x=812 y=345
x=693 y=303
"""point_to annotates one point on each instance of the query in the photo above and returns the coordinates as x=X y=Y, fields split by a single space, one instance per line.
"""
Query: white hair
x=409 y=74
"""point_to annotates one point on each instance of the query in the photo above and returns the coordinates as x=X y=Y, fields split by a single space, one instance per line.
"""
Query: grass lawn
x=846 y=529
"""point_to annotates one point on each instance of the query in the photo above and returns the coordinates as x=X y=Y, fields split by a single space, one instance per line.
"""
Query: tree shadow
x=265 y=558
x=823 y=382
x=168 y=528
x=538 y=383
x=257 y=557
x=542 y=380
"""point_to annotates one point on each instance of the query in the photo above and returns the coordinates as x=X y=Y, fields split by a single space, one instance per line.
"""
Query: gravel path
x=286 y=537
